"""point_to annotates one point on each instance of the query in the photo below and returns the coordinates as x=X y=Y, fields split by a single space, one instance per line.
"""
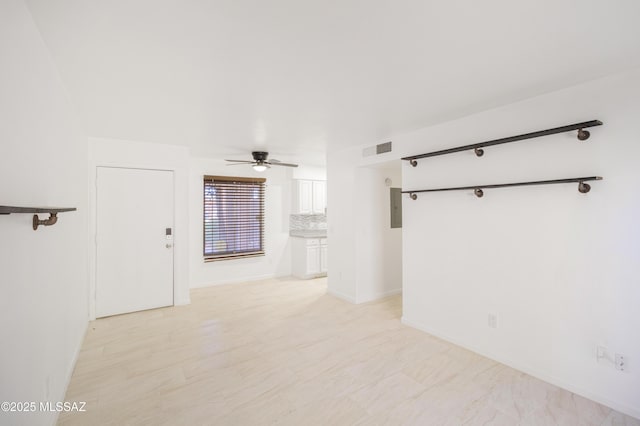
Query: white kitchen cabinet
x=313 y=260
x=309 y=197
x=323 y=256
x=303 y=194
x=309 y=257
x=319 y=196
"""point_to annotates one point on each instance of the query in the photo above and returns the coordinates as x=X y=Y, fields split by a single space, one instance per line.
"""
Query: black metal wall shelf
x=583 y=135
x=53 y=213
x=478 y=190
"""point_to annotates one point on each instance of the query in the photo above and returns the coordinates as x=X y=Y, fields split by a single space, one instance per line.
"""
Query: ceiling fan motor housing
x=260 y=155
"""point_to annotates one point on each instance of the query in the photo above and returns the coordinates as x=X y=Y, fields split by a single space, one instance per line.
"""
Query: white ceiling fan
x=260 y=163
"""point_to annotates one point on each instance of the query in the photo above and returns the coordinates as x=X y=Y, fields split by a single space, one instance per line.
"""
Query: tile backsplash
x=306 y=222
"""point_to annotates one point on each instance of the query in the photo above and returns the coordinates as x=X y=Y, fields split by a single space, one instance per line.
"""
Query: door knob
x=168 y=245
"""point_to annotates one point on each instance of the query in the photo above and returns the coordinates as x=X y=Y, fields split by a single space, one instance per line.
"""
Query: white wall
x=560 y=268
x=43 y=162
x=309 y=173
x=365 y=255
x=342 y=219
x=276 y=262
x=144 y=155
x=378 y=246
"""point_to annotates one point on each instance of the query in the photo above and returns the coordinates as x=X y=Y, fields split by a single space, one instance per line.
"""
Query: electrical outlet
x=621 y=362
x=492 y=320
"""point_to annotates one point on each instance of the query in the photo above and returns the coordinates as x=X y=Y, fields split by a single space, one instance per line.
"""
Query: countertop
x=315 y=233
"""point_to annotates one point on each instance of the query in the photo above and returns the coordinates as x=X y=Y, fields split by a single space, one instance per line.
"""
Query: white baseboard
x=342 y=296
x=74 y=361
x=233 y=281
x=631 y=411
x=381 y=295
x=371 y=298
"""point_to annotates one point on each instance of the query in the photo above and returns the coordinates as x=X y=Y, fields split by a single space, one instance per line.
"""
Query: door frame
x=93 y=227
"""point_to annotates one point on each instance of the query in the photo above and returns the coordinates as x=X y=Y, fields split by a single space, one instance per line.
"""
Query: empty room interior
x=328 y=213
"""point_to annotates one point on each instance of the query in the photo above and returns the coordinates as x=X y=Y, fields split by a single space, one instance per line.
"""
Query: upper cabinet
x=309 y=196
x=319 y=197
x=304 y=191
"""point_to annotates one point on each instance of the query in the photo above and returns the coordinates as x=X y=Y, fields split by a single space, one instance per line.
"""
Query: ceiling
x=298 y=77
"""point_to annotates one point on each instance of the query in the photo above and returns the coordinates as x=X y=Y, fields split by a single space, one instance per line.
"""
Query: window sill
x=232 y=257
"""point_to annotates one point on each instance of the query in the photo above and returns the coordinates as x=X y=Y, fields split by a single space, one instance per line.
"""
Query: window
x=233 y=217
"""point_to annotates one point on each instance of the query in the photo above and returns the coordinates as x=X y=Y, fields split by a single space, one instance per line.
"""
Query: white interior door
x=134 y=241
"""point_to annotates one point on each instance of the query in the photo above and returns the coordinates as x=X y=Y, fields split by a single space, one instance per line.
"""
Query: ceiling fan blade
x=244 y=163
x=282 y=164
x=240 y=161
x=273 y=160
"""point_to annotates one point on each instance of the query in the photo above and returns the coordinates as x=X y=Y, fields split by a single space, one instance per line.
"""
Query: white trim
x=342 y=296
x=382 y=295
x=74 y=361
x=181 y=302
x=631 y=411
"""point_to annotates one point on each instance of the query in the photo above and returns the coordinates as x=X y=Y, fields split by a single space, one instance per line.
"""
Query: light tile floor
x=285 y=352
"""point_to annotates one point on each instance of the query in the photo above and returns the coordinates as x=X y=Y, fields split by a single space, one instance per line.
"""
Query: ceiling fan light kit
x=260 y=163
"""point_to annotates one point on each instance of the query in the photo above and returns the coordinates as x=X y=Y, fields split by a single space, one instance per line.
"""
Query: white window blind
x=233 y=217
